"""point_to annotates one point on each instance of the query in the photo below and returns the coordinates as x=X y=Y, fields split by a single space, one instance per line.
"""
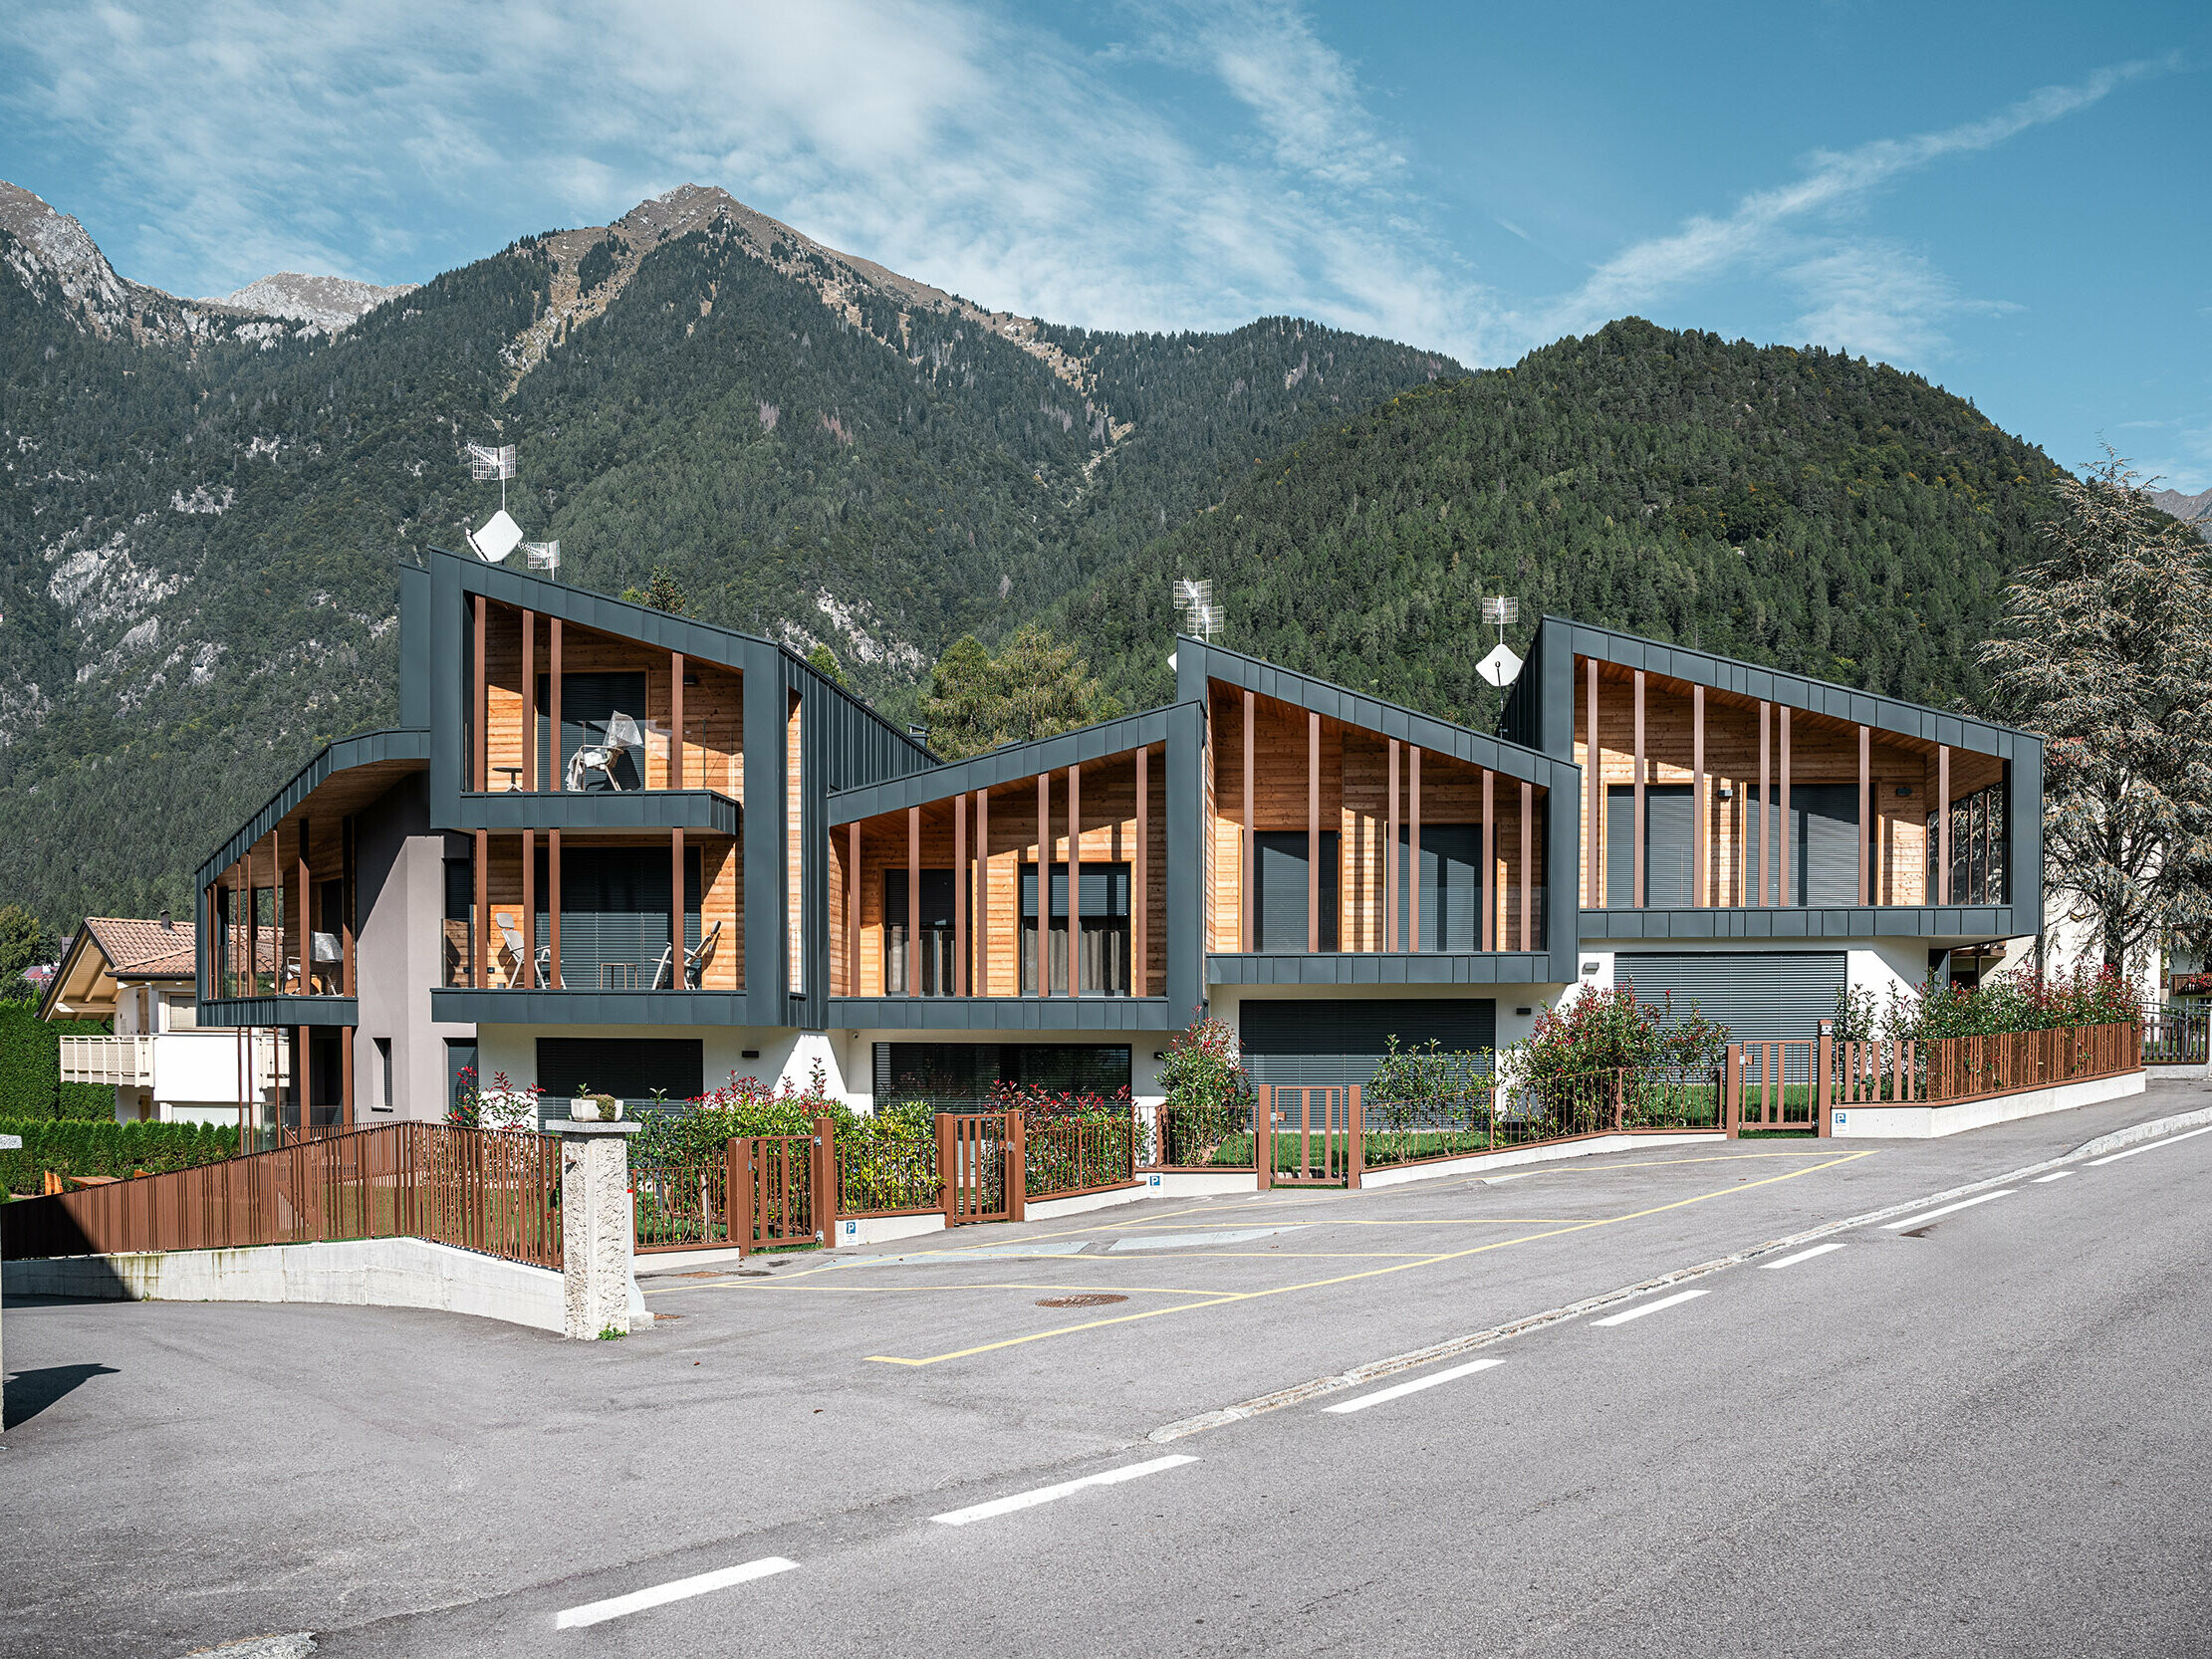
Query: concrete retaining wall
x=373 y=1273
x=1926 y=1122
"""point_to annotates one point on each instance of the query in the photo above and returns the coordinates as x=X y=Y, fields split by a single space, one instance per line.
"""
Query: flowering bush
x=1080 y=1105
x=1603 y=1031
x=2018 y=1001
x=1205 y=1068
x=700 y=1130
x=502 y=1106
x=1419 y=1083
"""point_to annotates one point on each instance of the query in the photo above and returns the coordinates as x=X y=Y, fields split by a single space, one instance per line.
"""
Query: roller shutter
x=1289 y=1040
x=1755 y=994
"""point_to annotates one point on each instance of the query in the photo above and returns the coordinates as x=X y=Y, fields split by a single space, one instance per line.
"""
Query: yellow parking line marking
x=1225 y=1298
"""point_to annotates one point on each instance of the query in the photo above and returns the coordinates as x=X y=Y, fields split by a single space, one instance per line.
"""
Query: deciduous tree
x=1035 y=687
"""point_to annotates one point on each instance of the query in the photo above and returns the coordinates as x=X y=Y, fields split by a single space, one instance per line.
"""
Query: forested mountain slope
x=203 y=509
x=1798 y=508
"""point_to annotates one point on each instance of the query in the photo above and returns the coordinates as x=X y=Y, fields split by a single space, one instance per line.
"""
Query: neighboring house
x=162 y=1065
x=614 y=848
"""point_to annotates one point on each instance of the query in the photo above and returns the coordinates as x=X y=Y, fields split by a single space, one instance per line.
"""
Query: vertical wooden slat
x=528 y=966
x=479 y=953
x=1637 y=843
x=555 y=762
x=300 y=1095
x=1528 y=860
x=675 y=720
x=1044 y=885
x=554 y=981
x=1246 y=805
x=303 y=929
x=1699 y=853
x=530 y=700
x=480 y=756
x=1489 y=859
x=1788 y=840
x=1075 y=879
x=1865 y=816
x=1312 y=830
x=853 y=909
x=913 y=901
x=1413 y=847
x=1141 y=898
x=983 y=892
x=1593 y=842
x=1942 y=824
x=1765 y=808
x=676 y=911
x=1390 y=853
x=959 y=804
x=346 y=1076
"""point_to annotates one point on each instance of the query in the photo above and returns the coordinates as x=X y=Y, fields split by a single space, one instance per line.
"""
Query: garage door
x=1293 y=1041
x=1757 y=995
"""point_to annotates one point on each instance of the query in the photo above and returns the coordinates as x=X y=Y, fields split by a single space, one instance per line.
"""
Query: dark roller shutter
x=1825 y=820
x=1452 y=887
x=630 y=1068
x=588 y=701
x=1279 y=896
x=1755 y=994
x=1298 y=1041
x=1667 y=858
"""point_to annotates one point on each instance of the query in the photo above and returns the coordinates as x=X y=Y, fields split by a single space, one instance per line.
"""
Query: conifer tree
x=2106 y=652
x=1035 y=687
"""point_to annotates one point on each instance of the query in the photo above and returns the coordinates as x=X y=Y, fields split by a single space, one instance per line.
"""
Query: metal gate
x=1312 y=1134
x=1775 y=1086
x=774 y=1182
x=982 y=1157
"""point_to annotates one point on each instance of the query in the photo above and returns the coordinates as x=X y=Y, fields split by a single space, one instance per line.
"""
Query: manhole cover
x=1081 y=1301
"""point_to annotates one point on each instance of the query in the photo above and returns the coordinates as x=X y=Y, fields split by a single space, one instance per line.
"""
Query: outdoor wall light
x=1589 y=967
x=748 y=1054
x=1727 y=794
x=1524 y=1013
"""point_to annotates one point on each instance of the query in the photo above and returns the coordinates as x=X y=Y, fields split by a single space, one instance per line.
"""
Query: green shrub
x=75 y=1147
x=31 y=1067
x=2011 y=1002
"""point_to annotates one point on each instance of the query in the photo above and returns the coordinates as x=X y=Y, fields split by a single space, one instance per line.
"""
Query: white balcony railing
x=125 y=1061
x=128 y=1061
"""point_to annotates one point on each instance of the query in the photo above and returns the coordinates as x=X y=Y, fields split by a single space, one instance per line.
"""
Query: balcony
x=115 y=1062
x=176 y=1064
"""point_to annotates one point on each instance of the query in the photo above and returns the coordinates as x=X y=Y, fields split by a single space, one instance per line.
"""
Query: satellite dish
x=543 y=555
x=498 y=537
x=1501 y=667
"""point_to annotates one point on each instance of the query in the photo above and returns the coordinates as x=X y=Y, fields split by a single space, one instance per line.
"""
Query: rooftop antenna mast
x=1201 y=617
x=499 y=535
x=1501 y=667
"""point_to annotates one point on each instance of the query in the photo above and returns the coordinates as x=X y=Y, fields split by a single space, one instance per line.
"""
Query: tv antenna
x=1501 y=667
x=1201 y=617
x=499 y=534
x=543 y=555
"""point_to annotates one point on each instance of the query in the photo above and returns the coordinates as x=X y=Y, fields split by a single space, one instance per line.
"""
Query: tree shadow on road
x=31 y=1392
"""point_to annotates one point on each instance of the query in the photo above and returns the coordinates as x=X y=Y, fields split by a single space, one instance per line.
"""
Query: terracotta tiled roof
x=146 y=949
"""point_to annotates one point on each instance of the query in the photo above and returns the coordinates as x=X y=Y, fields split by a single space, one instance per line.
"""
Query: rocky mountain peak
x=326 y=303
x=53 y=244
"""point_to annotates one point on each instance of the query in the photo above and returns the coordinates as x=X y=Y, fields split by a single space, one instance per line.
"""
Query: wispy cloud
x=1884 y=299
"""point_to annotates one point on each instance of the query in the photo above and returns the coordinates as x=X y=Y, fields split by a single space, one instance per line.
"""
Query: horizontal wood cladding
x=722 y=900
x=1107 y=836
x=1824 y=752
x=1354 y=789
x=713 y=707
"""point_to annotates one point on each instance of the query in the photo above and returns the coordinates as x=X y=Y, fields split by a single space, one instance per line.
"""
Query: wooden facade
x=1741 y=760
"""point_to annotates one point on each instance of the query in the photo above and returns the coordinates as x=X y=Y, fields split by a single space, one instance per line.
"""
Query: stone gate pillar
x=596 y=1225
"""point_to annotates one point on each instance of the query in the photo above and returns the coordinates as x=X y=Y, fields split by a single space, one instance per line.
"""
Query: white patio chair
x=661 y=970
x=510 y=941
x=622 y=733
x=544 y=970
x=695 y=959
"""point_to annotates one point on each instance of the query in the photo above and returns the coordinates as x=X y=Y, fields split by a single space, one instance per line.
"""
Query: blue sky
x=2007 y=198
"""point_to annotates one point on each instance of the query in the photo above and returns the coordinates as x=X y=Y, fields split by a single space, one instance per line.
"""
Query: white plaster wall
x=399 y=956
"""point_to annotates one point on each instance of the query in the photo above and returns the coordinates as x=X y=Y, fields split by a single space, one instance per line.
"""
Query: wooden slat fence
x=2177 y=1035
x=496 y=1193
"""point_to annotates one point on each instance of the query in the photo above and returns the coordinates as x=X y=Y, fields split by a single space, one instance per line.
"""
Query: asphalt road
x=1984 y=1433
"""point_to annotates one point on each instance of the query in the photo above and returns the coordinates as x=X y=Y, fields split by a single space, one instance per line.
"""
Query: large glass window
x=937 y=938
x=1979 y=845
x=614 y=916
x=591 y=705
x=1103 y=930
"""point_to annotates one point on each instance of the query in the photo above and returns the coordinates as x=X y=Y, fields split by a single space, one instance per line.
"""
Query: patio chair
x=323 y=951
x=622 y=733
x=661 y=971
x=510 y=941
x=544 y=970
x=695 y=959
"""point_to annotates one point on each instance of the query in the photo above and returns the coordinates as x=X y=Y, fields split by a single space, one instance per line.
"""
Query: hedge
x=80 y=1149
x=31 y=1067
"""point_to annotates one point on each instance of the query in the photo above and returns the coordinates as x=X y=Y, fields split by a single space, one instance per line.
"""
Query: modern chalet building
x=617 y=848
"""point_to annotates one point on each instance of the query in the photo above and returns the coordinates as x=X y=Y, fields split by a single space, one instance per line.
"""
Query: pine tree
x=2106 y=652
x=1035 y=687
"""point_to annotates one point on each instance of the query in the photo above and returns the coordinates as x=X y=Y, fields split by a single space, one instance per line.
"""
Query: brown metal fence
x=1065 y=1156
x=1199 y=1137
x=496 y=1193
x=2177 y=1035
x=679 y=1205
x=974 y=1152
x=778 y=1182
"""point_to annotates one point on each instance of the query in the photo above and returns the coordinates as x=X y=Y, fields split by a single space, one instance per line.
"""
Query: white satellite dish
x=499 y=537
x=1501 y=667
x=543 y=555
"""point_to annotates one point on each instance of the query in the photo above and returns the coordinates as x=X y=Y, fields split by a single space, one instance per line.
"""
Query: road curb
x=1452 y=1348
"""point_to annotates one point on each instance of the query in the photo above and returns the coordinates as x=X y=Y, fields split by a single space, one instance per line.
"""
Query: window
x=1279 y=891
x=1452 y=887
x=961 y=1076
x=382 y=1101
x=1979 y=847
x=938 y=975
x=181 y=1011
x=1668 y=858
x=629 y=1068
x=1104 y=930
x=614 y=916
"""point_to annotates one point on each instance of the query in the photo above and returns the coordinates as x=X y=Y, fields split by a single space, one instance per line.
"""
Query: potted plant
x=589 y=1108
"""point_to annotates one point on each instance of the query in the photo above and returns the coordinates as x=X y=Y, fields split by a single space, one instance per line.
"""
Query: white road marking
x=1675 y=1299
x=1801 y=1256
x=1925 y=1216
x=1046 y=1494
x=599 y=1612
x=2055 y=1175
x=1413 y=1387
x=2148 y=1146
